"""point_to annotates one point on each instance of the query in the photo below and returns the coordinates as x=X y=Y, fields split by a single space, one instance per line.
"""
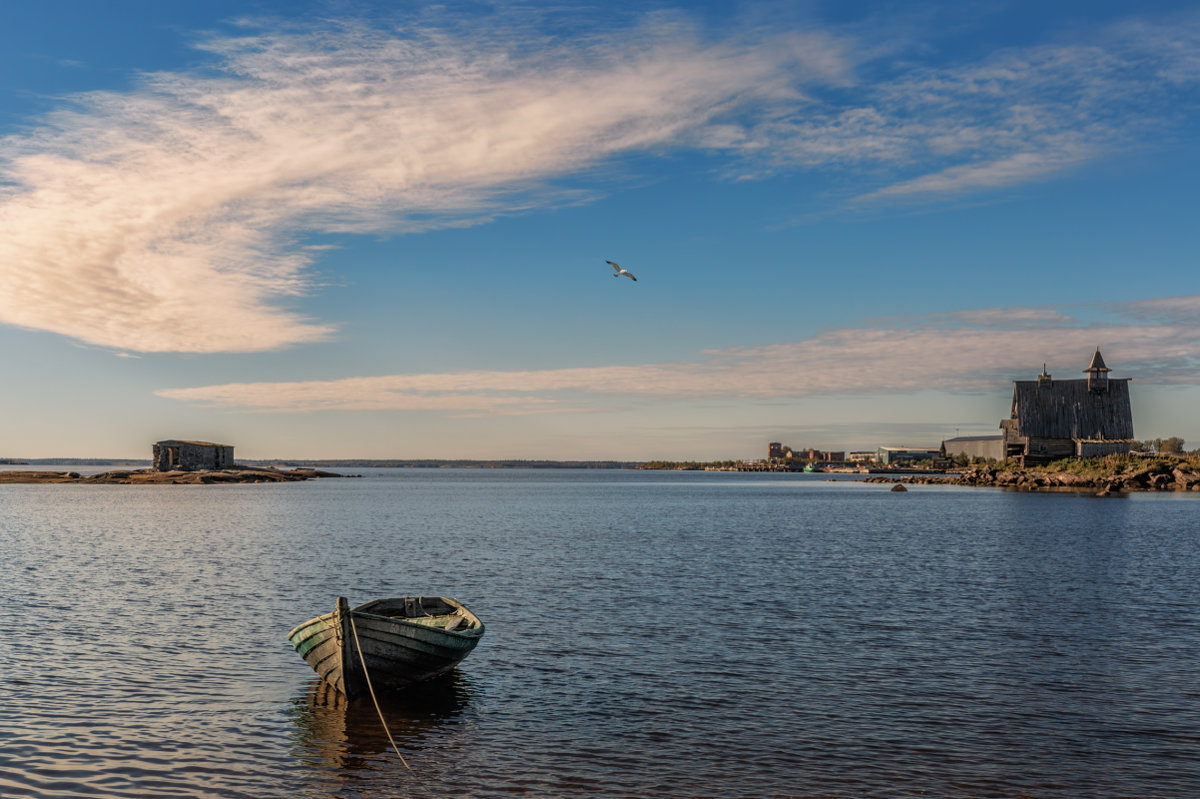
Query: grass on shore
x=1118 y=465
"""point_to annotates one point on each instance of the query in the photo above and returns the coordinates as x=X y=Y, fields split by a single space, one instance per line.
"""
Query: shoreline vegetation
x=1104 y=476
x=691 y=466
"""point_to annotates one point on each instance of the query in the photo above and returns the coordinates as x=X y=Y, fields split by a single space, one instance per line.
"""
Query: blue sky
x=342 y=229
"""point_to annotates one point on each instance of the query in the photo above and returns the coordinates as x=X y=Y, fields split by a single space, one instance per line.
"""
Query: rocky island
x=235 y=474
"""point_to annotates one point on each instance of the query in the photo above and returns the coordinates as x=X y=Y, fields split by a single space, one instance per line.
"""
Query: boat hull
x=401 y=641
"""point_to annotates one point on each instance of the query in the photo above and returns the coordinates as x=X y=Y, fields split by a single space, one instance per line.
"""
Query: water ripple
x=648 y=635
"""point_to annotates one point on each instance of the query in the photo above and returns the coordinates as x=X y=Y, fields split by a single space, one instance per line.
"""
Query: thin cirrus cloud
x=171 y=218
x=969 y=351
x=1011 y=117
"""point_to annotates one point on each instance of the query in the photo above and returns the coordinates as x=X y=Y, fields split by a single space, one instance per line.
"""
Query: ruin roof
x=176 y=441
x=1097 y=364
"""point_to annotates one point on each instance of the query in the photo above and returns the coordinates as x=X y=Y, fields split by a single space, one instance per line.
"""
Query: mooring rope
x=362 y=660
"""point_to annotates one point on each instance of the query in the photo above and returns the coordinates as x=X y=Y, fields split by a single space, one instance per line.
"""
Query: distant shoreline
x=240 y=474
x=345 y=463
x=1103 y=476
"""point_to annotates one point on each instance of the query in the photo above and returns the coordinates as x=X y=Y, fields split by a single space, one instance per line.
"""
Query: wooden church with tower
x=1052 y=419
x=1081 y=417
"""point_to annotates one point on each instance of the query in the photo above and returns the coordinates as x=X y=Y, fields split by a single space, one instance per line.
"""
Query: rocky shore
x=152 y=477
x=1151 y=476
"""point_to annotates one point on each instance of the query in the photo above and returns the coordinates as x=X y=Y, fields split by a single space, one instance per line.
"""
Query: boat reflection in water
x=340 y=739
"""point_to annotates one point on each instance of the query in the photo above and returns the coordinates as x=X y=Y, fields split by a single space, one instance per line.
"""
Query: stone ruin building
x=1081 y=418
x=190 y=455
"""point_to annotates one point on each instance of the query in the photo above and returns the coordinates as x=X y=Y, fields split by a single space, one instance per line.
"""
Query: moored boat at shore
x=402 y=641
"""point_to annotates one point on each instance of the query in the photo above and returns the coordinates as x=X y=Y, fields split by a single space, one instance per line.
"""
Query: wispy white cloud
x=1013 y=318
x=165 y=219
x=1010 y=317
x=1167 y=310
x=1005 y=171
x=900 y=359
x=171 y=217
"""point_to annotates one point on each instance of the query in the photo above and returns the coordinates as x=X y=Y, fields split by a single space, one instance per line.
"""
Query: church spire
x=1097 y=373
x=1097 y=363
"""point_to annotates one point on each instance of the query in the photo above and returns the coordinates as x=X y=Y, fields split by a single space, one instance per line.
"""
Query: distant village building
x=823 y=456
x=861 y=457
x=189 y=455
x=987 y=447
x=777 y=451
x=1081 y=418
x=894 y=455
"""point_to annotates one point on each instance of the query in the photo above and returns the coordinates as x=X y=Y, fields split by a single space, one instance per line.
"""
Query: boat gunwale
x=309 y=623
x=460 y=610
x=470 y=632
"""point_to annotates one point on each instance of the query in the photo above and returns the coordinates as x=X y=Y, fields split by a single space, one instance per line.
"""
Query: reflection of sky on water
x=701 y=637
x=343 y=741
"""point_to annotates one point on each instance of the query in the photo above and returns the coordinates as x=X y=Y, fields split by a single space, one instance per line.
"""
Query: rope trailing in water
x=366 y=676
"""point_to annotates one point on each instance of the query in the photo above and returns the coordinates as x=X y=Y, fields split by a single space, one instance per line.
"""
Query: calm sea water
x=648 y=634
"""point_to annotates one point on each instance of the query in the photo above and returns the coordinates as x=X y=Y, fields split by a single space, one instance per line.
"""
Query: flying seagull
x=621 y=271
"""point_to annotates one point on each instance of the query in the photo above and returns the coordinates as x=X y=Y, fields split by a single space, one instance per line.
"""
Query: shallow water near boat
x=649 y=634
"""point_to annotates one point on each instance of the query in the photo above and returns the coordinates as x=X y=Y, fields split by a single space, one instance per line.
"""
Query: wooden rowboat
x=404 y=641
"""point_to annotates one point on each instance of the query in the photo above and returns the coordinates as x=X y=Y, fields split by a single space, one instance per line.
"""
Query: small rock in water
x=899 y=487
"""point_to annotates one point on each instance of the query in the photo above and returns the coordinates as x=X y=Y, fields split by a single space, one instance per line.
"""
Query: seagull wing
x=614 y=266
x=629 y=275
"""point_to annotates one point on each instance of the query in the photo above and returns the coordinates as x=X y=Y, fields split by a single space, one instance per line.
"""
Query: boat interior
x=432 y=611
